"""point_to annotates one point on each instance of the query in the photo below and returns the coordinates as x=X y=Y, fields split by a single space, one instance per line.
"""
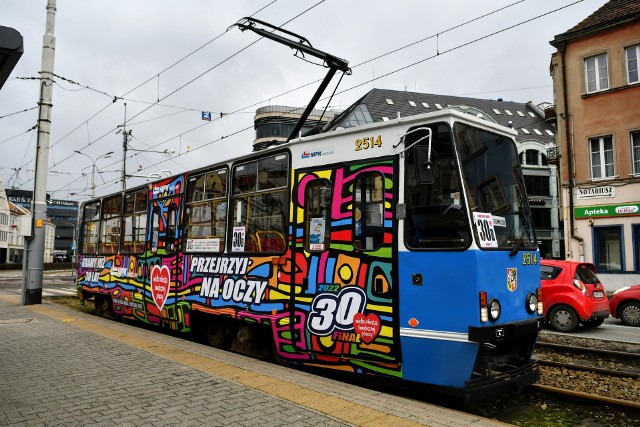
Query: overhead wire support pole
x=302 y=45
x=124 y=149
x=33 y=260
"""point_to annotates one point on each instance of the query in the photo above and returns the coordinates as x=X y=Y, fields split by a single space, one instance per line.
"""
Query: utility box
x=24 y=225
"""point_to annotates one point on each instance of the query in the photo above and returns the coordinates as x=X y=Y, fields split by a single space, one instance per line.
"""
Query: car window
x=586 y=275
x=549 y=273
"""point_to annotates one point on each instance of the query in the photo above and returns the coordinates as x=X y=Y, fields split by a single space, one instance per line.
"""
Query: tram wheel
x=98 y=302
x=630 y=313
x=216 y=334
x=563 y=318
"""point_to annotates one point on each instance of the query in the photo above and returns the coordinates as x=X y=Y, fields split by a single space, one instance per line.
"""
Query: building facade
x=63 y=214
x=5 y=224
x=535 y=137
x=597 y=104
x=274 y=123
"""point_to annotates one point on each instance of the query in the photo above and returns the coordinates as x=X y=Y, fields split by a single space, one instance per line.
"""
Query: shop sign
x=596 y=192
x=607 y=211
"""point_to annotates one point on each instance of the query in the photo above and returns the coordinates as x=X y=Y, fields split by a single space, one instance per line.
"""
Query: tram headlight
x=494 y=310
x=532 y=303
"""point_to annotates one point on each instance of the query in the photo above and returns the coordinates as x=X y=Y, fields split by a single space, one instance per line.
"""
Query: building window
x=541 y=217
x=537 y=185
x=632 y=53
x=635 y=152
x=533 y=158
x=607 y=250
x=602 y=162
x=596 y=72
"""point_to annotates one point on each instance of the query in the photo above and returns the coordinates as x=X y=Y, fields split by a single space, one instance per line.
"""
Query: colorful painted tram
x=404 y=249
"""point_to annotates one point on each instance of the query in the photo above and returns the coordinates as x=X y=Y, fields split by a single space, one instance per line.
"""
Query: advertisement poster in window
x=316 y=234
x=203 y=245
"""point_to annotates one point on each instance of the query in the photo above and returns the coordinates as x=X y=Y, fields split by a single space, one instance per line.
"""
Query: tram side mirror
x=424 y=168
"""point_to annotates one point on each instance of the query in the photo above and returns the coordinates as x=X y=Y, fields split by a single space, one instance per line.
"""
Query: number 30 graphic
x=331 y=311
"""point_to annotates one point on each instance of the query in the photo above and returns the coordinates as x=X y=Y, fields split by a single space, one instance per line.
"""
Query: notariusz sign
x=596 y=192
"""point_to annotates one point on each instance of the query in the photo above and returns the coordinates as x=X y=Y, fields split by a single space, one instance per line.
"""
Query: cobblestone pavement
x=61 y=367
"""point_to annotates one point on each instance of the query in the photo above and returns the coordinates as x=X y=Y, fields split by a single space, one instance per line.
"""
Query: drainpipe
x=562 y=46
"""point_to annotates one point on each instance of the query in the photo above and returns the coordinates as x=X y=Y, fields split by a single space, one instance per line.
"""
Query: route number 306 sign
x=486 y=232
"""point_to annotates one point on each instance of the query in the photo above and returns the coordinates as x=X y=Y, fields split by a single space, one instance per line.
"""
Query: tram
x=403 y=249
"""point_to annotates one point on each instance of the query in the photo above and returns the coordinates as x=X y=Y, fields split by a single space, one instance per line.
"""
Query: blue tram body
x=403 y=249
x=447 y=310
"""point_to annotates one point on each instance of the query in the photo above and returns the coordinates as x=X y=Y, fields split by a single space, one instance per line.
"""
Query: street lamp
x=93 y=168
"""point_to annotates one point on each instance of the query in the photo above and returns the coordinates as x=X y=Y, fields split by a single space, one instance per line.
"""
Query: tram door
x=342 y=296
x=164 y=262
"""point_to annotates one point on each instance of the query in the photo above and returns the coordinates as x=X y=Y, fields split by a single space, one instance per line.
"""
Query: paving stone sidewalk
x=62 y=367
x=52 y=374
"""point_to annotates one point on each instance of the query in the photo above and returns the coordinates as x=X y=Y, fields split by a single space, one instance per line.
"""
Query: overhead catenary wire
x=115 y=98
x=389 y=73
x=439 y=53
x=195 y=78
x=187 y=83
x=18 y=112
x=240 y=110
x=235 y=54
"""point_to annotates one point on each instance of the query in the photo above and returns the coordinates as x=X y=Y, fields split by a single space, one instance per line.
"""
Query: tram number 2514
x=529 y=259
x=368 y=142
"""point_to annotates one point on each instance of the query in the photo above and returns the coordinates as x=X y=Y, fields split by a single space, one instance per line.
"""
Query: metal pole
x=93 y=179
x=93 y=168
x=32 y=285
x=124 y=149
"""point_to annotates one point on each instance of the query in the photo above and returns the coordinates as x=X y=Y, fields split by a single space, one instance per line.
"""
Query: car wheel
x=630 y=313
x=563 y=319
x=594 y=323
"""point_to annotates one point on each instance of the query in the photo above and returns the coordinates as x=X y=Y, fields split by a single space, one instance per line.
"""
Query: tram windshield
x=495 y=190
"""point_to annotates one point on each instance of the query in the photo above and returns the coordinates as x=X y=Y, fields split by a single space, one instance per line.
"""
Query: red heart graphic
x=160 y=283
x=367 y=326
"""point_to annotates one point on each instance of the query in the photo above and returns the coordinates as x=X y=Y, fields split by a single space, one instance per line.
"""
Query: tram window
x=110 y=225
x=134 y=222
x=259 y=205
x=368 y=214
x=435 y=214
x=163 y=231
x=207 y=211
x=318 y=215
x=172 y=226
x=90 y=223
x=155 y=230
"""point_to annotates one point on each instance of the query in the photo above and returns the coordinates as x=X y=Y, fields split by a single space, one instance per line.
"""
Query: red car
x=625 y=305
x=572 y=294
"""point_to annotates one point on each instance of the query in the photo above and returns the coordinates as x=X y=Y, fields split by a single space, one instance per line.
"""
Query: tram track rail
x=599 y=375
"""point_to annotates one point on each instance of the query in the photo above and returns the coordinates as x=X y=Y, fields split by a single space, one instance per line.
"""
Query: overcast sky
x=109 y=48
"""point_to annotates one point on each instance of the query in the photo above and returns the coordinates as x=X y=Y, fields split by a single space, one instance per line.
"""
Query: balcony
x=550 y=115
x=553 y=155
